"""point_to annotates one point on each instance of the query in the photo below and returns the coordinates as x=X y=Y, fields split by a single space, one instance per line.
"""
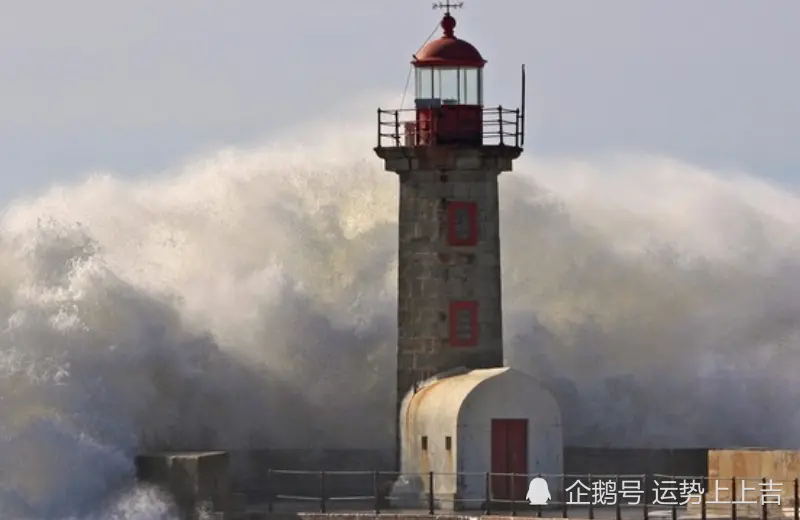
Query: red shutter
x=464 y=323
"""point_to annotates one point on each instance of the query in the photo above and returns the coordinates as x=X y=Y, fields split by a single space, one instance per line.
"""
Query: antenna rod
x=522 y=106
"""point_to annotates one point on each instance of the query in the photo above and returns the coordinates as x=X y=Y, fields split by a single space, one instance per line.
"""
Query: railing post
x=796 y=496
x=617 y=505
x=539 y=507
x=487 y=485
x=513 y=495
x=733 y=498
x=376 y=490
x=674 y=510
x=516 y=128
x=645 y=480
x=322 y=492
x=703 y=509
x=763 y=502
x=564 y=505
x=379 y=128
x=430 y=493
x=397 y=128
x=591 y=502
x=270 y=490
x=500 y=122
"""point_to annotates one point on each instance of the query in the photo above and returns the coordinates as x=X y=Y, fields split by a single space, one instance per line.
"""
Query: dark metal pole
x=522 y=135
x=539 y=507
x=376 y=489
x=513 y=495
x=763 y=502
x=564 y=512
x=703 y=511
x=430 y=493
x=733 y=498
x=500 y=122
x=379 y=127
x=796 y=494
x=270 y=491
x=322 y=492
x=617 y=505
x=591 y=502
x=487 y=484
x=397 y=127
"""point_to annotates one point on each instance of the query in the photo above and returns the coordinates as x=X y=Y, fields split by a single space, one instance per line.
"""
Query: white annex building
x=497 y=419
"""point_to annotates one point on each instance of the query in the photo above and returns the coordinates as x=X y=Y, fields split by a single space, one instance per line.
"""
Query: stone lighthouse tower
x=448 y=152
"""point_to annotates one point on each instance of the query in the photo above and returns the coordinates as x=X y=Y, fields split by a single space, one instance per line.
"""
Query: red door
x=509 y=455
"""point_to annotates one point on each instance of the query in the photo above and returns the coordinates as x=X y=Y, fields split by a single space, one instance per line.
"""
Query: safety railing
x=555 y=496
x=400 y=128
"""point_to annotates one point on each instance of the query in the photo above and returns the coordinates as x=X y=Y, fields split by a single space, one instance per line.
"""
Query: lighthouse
x=459 y=409
x=448 y=152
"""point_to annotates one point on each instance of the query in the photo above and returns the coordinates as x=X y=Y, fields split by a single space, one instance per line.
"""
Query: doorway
x=509 y=455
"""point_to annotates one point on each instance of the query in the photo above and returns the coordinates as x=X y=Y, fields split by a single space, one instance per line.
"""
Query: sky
x=138 y=87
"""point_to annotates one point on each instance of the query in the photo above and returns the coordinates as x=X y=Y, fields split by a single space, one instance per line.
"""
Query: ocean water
x=246 y=298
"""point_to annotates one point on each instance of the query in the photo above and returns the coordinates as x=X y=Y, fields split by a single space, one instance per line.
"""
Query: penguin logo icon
x=538 y=492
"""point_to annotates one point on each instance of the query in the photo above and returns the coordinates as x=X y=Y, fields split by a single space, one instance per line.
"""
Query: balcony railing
x=619 y=497
x=400 y=128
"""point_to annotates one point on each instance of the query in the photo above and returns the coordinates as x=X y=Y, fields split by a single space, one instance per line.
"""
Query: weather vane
x=448 y=5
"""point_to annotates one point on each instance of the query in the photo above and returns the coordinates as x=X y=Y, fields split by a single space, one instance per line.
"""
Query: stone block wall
x=433 y=272
x=752 y=465
x=193 y=479
x=730 y=470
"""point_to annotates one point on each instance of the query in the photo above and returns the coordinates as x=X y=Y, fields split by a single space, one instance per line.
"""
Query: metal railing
x=399 y=128
x=583 y=496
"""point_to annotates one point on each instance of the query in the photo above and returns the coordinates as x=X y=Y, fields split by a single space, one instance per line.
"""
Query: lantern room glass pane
x=471 y=88
x=449 y=85
x=446 y=86
x=424 y=83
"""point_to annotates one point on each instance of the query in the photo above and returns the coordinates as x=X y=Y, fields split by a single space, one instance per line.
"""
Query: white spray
x=248 y=301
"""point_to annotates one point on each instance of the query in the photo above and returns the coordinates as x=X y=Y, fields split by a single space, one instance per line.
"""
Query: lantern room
x=448 y=91
x=448 y=106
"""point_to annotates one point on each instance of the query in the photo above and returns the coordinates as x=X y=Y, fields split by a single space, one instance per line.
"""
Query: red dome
x=448 y=51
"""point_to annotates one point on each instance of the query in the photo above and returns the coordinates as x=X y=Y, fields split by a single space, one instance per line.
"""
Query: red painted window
x=462 y=217
x=464 y=324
